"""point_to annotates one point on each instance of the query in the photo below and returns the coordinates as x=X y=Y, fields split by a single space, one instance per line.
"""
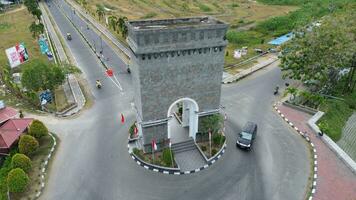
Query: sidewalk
x=72 y=89
x=102 y=29
x=335 y=180
x=263 y=63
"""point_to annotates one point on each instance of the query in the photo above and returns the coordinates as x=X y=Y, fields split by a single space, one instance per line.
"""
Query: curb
x=171 y=171
x=315 y=156
x=45 y=167
x=236 y=77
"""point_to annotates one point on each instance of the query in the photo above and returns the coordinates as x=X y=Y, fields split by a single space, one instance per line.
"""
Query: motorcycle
x=98 y=84
x=276 y=90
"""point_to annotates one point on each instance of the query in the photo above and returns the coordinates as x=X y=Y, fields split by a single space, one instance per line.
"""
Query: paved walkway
x=335 y=180
x=348 y=139
x=178 y=133
x=189 y=160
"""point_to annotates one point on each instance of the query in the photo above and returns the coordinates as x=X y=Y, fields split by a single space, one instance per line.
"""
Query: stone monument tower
x=172 y=61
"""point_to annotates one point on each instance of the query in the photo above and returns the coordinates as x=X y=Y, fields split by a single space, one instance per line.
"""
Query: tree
x=121 y=23
x=17 y=180
x=319 y=55
x=100 y=11
x=210 y=123
x=37 y=12
x=28 y=144
x=39 y=76
x=37 y=129
x=31 y=5
x=36 y=29
x=21 y=161
x=113 y=22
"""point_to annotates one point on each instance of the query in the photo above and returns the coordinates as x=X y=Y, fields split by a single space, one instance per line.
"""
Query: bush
x=203 y=148
x=218 y=139
x=37 y=129
x=28 y=144
x=21 y=161
x=17 y=180
x=213 y=152
x=167 y=156
x=132 y=130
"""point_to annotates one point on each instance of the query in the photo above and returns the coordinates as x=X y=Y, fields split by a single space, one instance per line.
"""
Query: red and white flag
x=170 y=144
x=154 y=145
x=122 y=118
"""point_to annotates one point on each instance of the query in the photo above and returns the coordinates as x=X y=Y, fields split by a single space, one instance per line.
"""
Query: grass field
x=235 y=12
x=14 y=29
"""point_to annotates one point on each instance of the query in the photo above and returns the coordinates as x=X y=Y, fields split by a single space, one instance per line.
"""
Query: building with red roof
x=11 y=131
x=7 y=113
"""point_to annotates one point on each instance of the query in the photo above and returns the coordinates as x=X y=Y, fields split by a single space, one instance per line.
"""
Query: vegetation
x=4 y=170
x=218 y=139
x=37 y=129
x=167 y=157
x=36 y=27
x=28 y=144
x=100 y=11
x=21 y=161
x=210 y=123
x=17 y=180
x=311 y=55
x=39 y=76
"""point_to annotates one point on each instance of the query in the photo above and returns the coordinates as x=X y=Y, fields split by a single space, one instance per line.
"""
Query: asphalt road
x=92 y=160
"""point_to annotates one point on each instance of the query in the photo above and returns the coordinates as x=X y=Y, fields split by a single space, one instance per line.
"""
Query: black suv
x=247 y=135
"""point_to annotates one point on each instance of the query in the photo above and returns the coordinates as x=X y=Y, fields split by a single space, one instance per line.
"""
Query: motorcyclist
x=276 y=90
x=98 y=84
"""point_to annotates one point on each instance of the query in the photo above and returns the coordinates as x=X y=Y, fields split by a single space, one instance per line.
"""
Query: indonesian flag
x=135 y=130
x=170 y=144
x=154 y=145
x=122 y=118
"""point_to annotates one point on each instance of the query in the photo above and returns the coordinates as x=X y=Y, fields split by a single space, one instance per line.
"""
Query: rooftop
x=173 y=23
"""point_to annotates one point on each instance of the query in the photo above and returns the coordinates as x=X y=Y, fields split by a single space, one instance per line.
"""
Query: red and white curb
x=315 y=156
x=45 y=167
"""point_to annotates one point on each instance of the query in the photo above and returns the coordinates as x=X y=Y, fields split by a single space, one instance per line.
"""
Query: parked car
x=246 y=136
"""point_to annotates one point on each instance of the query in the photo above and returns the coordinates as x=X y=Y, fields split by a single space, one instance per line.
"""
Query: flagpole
x=210 y=141
x=153 y=149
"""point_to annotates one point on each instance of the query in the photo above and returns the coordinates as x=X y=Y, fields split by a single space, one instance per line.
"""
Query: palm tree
x=121 y=23
x=113 y=22
x=36 y=29
x=100 y=11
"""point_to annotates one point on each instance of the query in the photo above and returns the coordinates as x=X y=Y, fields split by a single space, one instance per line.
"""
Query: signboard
x=17 y=55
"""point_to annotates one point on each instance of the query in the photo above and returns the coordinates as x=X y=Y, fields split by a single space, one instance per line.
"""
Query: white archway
x=192 y=107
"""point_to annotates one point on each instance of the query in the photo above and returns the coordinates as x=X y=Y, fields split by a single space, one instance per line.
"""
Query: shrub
x=21 y=161
x=203 y=148
x=213 y=152
x=167 y=157
x=218 y=139
x=37 y=129
x=204 y=7
x=132 y=130
x=138 y=153
x=28 y=144
x=17 y=180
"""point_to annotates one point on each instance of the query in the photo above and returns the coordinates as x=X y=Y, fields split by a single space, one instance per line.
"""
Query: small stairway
x=183 y=146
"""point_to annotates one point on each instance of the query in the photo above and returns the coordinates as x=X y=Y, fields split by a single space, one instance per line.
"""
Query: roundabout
x=92 y=161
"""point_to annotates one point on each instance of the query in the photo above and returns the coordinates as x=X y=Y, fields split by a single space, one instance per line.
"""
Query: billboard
x=17 y=55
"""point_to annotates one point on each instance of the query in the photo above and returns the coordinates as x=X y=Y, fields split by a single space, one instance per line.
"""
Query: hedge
x=28 y=144
x=17 y=180
x=21 y=161
x=37 y=129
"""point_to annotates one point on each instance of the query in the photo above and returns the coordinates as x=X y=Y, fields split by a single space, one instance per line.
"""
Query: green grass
x=337 y=113
x=149 y=15
x=60 y=99
x=204 y=7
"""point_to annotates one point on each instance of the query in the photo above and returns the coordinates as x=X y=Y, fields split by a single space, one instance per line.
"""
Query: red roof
x=12 y=130
x=7 y=113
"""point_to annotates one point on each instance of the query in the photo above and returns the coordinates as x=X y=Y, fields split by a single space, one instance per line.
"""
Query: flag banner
x=135 y=130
